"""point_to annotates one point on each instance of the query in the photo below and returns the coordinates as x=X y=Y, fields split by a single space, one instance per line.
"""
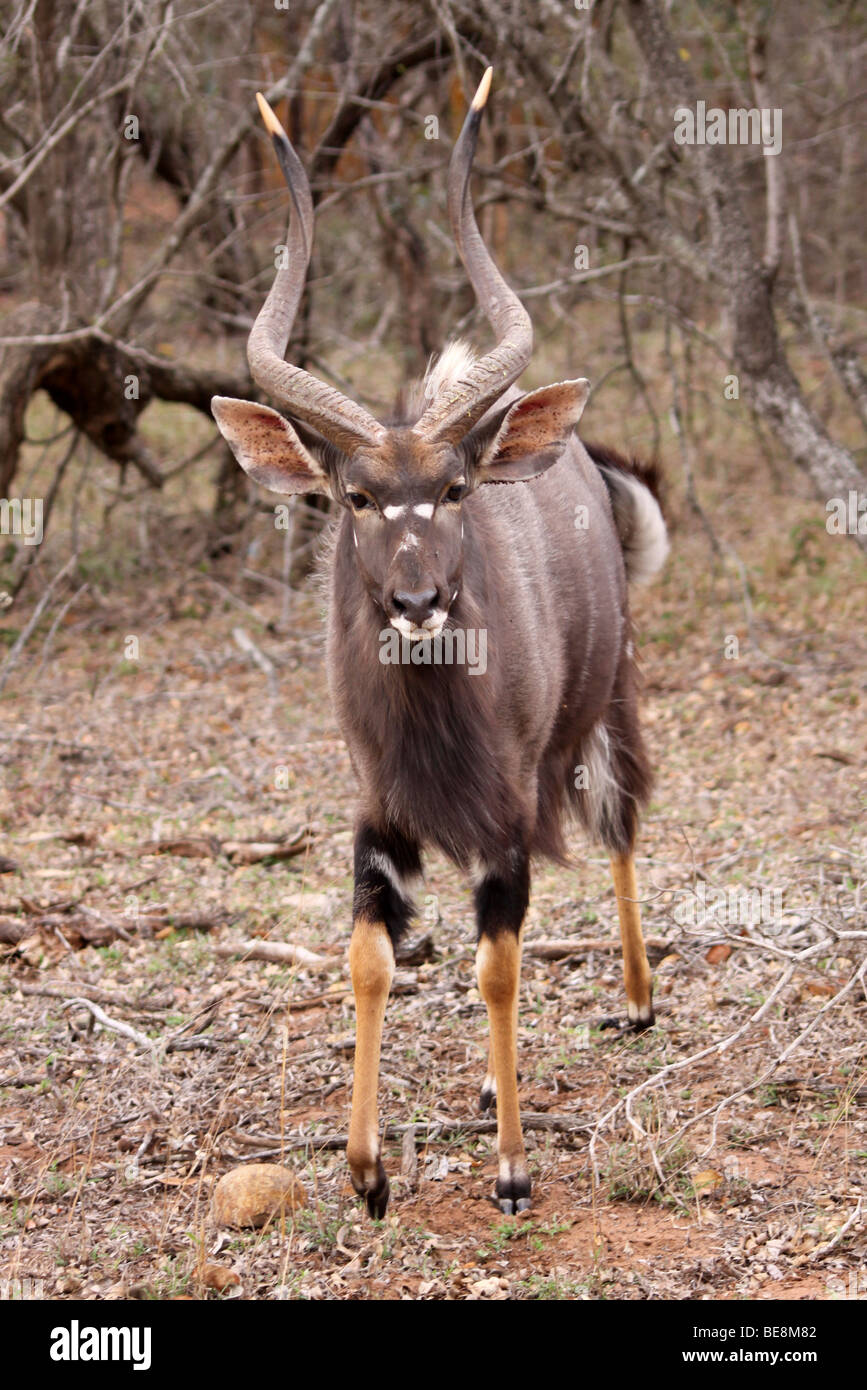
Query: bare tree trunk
x=20 y=370
x=766 y=377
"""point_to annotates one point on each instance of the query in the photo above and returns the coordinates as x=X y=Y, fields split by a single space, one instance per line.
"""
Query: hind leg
x=501 y=902
x=636 y=971
x=618 y=784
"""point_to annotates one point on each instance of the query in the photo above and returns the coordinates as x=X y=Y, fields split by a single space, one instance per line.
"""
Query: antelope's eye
x=358 y=502
x=455 y=493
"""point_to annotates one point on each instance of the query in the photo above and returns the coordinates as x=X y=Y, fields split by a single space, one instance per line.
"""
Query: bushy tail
x=634 y=489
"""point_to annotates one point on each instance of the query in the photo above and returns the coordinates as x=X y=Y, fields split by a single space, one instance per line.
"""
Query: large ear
x=268 y=448
x=523 y=440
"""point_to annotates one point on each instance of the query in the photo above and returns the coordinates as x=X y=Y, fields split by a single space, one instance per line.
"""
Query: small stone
x=256 y=1193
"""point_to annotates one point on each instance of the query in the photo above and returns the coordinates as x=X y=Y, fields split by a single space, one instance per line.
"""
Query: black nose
x=415 y=607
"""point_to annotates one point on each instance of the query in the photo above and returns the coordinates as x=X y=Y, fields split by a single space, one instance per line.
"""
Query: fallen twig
x=95 y=992
x=281 y=952
x=423 y=1133
x=111 y=1023
x=844 y=1229
x=243 y=640
x=254 y=851
x=98 y=929
x=560 y=948
x=238 y=851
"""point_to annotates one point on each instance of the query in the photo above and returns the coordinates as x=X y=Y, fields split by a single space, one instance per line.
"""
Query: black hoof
x=629 y=1027
x=377 y=1202
x=509 y=1207
x=487 y=1099
x=376 y=1197
x=513 y=1195
x=641 y=1025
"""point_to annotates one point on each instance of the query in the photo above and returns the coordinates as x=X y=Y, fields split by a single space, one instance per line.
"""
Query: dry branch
x=113 y=1024
x=422 y=1133
x=561 y=948
x=78 y=988
x=21 y=641
x=281 y=952
x=822 y=1250
x=238 y=851
x=89 y=927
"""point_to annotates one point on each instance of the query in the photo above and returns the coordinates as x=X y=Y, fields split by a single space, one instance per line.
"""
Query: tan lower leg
x=371 y=963
x=636 y=971
x=498 y=968
x=489 y=1085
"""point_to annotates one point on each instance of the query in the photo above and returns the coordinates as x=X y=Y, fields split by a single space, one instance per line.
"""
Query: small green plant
x=56 y=1183
x=549 y=1288
x=170 y=1280
x=534 y=1232
x=768 y=1096
x=631 y=1176
x=318 y=1229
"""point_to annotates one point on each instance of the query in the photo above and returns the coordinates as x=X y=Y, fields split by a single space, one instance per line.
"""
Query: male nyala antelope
x=481 y=764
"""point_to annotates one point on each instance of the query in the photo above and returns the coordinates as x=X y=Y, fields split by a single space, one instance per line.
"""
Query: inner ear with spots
x=524 y=439
x=270 y=450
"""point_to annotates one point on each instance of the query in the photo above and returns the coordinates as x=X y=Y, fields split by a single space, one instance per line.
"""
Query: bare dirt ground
x=729 y=1142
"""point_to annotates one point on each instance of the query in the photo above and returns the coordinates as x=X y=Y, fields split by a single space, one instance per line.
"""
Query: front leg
x=488 y=1094
x=501 y=902
x=382 y=908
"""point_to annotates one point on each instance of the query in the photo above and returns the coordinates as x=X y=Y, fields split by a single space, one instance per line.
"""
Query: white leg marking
x=377 y=860
x=638 y=1014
